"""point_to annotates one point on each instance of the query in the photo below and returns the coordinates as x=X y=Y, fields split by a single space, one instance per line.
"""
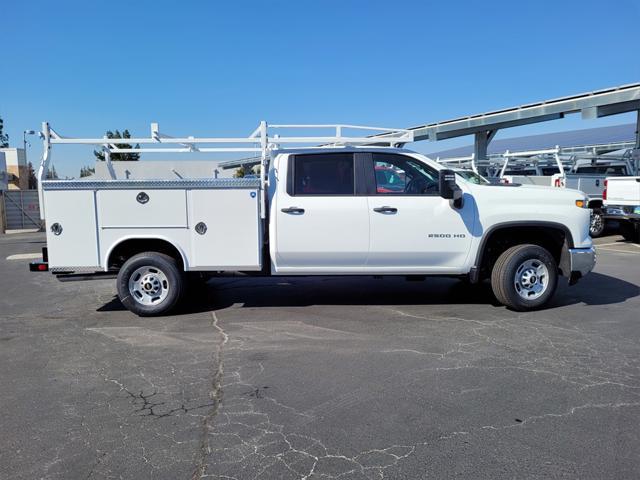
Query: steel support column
x=481 y=143
x=638 y=130
x=636 y=152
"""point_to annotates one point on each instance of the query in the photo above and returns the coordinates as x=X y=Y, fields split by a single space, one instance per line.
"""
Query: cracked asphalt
x=320 y=378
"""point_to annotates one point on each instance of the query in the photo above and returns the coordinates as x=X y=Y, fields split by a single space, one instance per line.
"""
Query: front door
x=413 y=229
x=322 y=224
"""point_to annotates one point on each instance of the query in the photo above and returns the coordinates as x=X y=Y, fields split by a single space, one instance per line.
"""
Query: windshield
x=472 y=177
x=611 y=170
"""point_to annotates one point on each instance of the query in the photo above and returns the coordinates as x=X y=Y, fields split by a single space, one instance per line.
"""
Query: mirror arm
x=458 y=198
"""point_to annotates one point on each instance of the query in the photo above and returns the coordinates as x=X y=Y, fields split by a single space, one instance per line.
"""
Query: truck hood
x=534 y=193
x=531 y=203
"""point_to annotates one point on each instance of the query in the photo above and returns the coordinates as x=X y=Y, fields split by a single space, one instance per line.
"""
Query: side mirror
x=448 y=187
x=447 y=184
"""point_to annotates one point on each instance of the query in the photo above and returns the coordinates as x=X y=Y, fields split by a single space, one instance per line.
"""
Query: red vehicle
x=390 y=180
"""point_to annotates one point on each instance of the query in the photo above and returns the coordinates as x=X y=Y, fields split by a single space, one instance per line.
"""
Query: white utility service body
x=96 y=216
x=391 y=212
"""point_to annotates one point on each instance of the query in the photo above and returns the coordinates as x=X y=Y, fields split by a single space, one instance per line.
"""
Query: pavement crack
x=216 y=394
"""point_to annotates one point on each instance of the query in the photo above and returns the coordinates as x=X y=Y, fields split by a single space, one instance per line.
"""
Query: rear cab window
x=322 y=174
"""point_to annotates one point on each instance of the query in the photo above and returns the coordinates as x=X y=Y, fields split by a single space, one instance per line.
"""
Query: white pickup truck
x=352 y=207
x=622 y=204
x=586 y=178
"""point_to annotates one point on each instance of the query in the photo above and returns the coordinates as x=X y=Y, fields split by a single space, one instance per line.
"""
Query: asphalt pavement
x=355 y=378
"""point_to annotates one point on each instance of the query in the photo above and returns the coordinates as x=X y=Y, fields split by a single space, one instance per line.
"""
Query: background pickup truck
x=586 y=178
x=622 y=204
x=323 y=211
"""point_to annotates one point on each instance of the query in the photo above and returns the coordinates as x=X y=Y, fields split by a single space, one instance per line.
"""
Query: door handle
x=386 y=210
x=293 y=210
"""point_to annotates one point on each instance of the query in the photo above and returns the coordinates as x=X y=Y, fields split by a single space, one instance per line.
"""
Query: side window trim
x=290 y=174
x=365 y=182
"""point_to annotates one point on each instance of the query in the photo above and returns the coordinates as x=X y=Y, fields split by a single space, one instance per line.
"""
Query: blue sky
x=217 y=68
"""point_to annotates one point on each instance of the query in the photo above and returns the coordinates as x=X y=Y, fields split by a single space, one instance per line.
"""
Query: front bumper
x=621 y=212
x=580 y=262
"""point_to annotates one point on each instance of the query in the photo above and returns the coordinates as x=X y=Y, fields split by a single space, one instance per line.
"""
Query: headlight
x=582 y=203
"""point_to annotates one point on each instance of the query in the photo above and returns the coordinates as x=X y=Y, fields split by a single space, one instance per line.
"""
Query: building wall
x=4 y=175
x=160 y=169
x=17 y=168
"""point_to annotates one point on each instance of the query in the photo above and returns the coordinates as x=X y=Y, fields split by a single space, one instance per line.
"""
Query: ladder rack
x=560 y=157
x=260 y=142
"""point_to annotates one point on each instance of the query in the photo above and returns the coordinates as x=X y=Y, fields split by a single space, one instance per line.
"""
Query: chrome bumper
x=621 y=212
x=581 y=262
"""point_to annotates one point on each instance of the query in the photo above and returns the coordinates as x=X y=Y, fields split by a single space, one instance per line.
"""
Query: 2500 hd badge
x=447 y=235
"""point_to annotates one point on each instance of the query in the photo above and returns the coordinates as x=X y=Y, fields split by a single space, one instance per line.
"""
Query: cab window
x=402 y=175
x=323 y=174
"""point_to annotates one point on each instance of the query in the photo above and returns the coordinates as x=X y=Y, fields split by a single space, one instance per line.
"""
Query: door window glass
x=324 y=174
x=402 y=175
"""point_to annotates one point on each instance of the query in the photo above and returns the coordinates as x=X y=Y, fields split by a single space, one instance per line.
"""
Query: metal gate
x=21 y=209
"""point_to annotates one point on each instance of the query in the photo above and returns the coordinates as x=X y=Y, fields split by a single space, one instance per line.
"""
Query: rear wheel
x=150 y=284
x=524 y=277
x=630 y=231
x=596 y=225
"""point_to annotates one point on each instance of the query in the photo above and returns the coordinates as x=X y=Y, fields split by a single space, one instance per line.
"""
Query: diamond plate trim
x=219 y=183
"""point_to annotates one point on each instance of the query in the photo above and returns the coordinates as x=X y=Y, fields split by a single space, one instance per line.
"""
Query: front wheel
x=524 y=277
x=596 y=225
x=150 y=284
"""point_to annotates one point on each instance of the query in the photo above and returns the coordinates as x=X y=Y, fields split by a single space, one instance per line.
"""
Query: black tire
x=170 y=284
x=597 y=223
x=630 y=231
x=503 y=277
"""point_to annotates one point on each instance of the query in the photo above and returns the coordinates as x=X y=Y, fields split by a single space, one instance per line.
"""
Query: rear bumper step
x=42 y=266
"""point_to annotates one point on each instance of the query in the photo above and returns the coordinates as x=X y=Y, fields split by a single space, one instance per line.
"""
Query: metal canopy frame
x=596 y=104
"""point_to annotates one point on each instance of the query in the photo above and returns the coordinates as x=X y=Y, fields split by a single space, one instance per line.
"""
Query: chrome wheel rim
x=531 y=279
x=148 y=286
x=596 y=223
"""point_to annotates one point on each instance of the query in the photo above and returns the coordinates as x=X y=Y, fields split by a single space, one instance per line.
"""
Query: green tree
x=119 y=157
x=240 y=172
x=33 y=180
x=4 y=138
x=243 y=171
x=87 y=171
x=52 y=174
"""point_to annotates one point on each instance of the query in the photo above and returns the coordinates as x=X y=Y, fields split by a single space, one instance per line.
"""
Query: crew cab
x=329 y=210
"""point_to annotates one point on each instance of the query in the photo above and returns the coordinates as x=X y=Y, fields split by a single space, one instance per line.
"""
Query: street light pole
x=24 y=141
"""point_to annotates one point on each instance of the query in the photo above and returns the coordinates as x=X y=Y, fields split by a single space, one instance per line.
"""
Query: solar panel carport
x=596 y=104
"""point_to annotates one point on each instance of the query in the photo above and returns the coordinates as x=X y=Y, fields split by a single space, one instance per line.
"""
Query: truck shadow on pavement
x=253 y=292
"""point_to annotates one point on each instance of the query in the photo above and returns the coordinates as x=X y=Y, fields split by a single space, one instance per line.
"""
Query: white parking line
x=617 y=243
x=24 y=256
x=619 y=251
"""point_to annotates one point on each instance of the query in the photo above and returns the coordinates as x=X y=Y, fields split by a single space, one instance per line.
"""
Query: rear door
x=413 y=229
x=322 y=223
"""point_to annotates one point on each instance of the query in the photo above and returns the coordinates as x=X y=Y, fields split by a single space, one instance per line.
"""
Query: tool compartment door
x=72 y=215
x=229 y=236
x=127 y=208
